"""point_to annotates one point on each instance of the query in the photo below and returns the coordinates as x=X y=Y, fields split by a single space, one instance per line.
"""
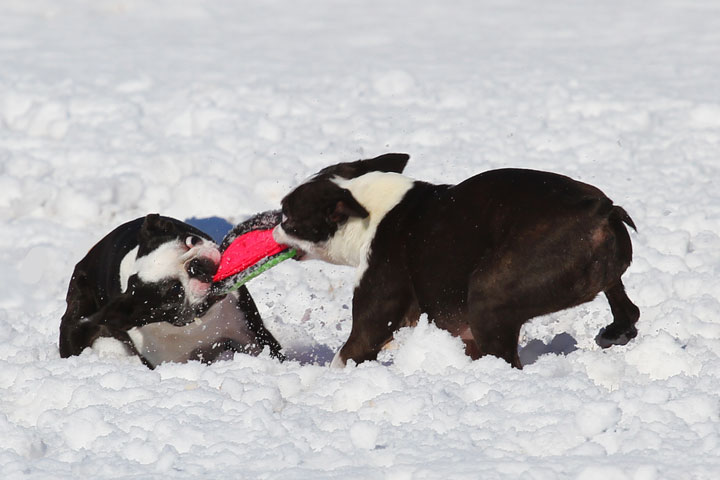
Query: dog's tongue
x=247 y=250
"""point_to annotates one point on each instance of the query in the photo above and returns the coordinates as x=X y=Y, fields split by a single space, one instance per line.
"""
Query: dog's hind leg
x=78 y=327
x=496 y=333
x=625 y=315
x=76 y=334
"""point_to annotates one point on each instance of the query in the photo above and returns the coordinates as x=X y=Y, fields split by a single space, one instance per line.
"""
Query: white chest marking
x=378 y=192
x=127 y=268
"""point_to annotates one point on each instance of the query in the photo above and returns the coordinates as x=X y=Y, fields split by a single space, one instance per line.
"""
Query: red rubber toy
x=249 y=250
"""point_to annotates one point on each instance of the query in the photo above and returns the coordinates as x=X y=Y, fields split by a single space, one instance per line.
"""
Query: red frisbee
x=246 y=251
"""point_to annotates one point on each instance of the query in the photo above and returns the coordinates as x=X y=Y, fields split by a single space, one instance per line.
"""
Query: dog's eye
x=192 y=241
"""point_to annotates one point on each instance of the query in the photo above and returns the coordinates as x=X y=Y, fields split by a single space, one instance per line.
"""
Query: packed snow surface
x=112 y=109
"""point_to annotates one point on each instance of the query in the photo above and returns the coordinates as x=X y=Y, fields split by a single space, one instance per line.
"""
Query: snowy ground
x=113 y=109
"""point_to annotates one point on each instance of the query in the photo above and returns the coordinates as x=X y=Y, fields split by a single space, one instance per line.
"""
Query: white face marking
x=163 y=262
x=168 y=261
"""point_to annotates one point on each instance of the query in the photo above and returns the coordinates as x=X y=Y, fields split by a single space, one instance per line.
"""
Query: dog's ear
x=154 y=225
x=154 y=231
x=390 y=162
x=346 y=206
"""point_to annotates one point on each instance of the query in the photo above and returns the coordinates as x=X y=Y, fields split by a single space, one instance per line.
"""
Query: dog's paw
x=609 y=337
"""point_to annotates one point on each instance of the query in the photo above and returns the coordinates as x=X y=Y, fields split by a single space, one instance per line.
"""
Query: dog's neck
x=378 y=192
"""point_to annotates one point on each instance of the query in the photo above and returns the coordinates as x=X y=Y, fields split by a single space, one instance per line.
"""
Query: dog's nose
x=201 y=268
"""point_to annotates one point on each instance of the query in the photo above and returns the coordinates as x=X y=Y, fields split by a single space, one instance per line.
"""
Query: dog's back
x=95 y=280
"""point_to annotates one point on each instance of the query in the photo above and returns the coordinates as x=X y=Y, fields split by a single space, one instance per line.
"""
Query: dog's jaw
x=306 y=250
x=198 y=289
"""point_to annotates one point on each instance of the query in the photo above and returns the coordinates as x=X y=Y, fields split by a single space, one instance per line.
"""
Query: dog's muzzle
x=201 y=268
x=281 y=237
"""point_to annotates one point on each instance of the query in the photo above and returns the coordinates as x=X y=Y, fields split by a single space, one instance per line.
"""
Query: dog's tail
x=618 y=218
x=604 y=207
x=619 y=214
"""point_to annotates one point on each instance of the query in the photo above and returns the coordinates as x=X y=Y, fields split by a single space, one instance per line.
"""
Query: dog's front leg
x=248 y=309
x=380 y=308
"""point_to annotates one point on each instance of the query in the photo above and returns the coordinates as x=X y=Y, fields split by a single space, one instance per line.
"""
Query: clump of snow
x=112 y=110
x=426 y=348
x=663 y=356
x=597 y=417
x=706 y=116
x=364 y=435
x=392 y=83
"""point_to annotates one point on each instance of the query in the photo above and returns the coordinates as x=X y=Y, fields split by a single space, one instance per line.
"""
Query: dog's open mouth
x=201 y=269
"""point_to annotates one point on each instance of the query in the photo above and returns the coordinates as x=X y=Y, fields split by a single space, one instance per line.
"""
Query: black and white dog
x=147 y=284
x=480 y=258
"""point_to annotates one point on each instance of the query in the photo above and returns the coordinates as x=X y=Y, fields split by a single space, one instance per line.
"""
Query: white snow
x=113 y=109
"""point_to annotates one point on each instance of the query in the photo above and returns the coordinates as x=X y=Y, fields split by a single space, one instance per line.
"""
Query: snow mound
x=427 y=349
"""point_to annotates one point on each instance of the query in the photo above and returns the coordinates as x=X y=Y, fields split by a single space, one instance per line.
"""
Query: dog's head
x=316 y=213
x=169 y=277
